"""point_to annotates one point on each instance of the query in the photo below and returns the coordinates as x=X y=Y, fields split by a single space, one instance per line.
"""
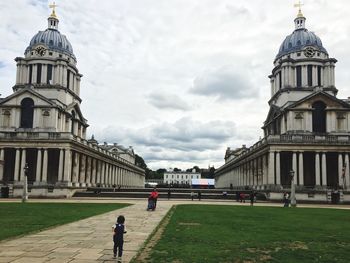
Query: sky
x=178 y=80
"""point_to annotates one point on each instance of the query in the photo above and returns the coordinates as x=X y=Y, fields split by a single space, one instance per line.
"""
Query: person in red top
x=154 y=196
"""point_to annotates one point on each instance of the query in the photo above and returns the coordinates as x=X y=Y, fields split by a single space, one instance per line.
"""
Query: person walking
x=199 y=195
x=154 y=195
x=251 y=196
x=169 y=193
x=192 y=195
x=118 y=237
x=286 y=199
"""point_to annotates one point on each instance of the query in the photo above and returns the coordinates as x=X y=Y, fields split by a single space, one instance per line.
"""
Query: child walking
x=118 y=237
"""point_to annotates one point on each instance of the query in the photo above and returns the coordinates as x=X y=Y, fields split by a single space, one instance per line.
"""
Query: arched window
x=27 y=112
x=319 y=117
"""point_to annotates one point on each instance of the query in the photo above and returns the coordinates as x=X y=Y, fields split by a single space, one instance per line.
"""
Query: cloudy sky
x=179 y=80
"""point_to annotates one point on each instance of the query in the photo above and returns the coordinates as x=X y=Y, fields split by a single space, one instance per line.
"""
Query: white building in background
x=307 y=129
x=42 y=125
x=184 y=178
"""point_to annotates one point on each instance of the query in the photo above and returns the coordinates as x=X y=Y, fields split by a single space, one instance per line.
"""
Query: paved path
x=87 y=240
x=90 y=240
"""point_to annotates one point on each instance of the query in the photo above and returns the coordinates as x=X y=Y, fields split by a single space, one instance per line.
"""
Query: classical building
x=42 y=125
x=180 y=177
x=307 y=129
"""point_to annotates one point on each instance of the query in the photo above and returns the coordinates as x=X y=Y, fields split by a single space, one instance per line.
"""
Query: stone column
x=75 y=175
x=17 y=165
x=271 y=168
x=317 y=169
x=301 y=168
x=88 y=171
x=103 y=168
x=294 y=167
x=38 y=167
x=94 y=172
x=23 y=163
x=60 y=167
x=82 y=170
x=2 y=164
x=45 y=163
x=324 y=170
x=347 y=177
x=67 y=167
x=340 y=169
x=278 y=169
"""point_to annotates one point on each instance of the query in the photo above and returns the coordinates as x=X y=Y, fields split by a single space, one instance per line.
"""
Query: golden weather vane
x=53 y=6
x=299 y=5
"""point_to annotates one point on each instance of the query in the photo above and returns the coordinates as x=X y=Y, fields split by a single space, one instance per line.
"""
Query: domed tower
x=301 y=67
x=49 y=65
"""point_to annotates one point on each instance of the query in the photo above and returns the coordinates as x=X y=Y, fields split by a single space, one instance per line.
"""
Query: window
x=6 y=118
x=298 y=76
x=30 y=73
x=49 y=74
x=38 y=73
x=280 y=79
x=309 y=75
x=319 y=70
x=319 y=117
x=27 y=112
x=68 y=78
x=73 y=120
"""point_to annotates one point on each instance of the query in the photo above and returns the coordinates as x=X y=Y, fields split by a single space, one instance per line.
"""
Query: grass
x=17 y=219
x=209 y=233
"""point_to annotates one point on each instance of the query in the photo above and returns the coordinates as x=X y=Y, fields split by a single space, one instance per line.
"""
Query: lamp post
x=293 y=201
x=25 y=186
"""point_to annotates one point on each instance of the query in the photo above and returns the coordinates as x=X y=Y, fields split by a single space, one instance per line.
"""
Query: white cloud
x=179 y=80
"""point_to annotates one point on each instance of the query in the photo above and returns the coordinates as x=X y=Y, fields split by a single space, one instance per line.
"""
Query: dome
x=298 y=40
x=54 y=40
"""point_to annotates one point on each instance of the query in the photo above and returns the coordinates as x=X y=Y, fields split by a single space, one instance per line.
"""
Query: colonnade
x=73 y=168
x=264 y=171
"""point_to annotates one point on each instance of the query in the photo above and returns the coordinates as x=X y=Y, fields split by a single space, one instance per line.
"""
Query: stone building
x=180 y=177
x=307 y=129
x=41 y=124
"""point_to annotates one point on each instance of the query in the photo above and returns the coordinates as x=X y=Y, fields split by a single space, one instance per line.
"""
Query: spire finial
x=53 y=6
x=299 y=5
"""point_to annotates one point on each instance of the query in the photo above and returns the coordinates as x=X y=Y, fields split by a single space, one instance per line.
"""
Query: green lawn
x=209 y=233
x=18 y=218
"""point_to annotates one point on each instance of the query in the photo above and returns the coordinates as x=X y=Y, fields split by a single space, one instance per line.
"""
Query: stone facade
x=184 y=178
x=41 y=124
x=307 y=129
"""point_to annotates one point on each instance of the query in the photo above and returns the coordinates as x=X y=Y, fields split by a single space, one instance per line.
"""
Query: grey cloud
x=168 y=101
x=225 y=83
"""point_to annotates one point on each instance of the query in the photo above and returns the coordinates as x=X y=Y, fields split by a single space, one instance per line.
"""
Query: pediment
x=16 y=98
x=330 y=101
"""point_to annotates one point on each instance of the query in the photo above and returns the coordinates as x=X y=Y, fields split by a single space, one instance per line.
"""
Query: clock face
x=309 y=52
x=40 y=51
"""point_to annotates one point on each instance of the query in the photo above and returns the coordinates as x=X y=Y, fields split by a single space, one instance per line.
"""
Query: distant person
x=286 y=199
x=154 y=195
x=118 y=237
x=199 y=195
x=192 y=195
x=237 y=196
x=242 y=197
x=169 y=193
x=251 y=197
x=224 y=194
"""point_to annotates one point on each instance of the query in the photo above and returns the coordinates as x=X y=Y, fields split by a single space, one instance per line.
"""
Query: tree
x=140 y=162
x=177 y=170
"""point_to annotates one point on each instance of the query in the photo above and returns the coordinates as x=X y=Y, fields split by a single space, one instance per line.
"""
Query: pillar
x=23 y=163
x=301 y=168
x=82 y=170
x=67 y=167
x=317 y=169
x=38 y=167
x=2 y=164
x=60 y=167
x=75 y=175
x=88 y=171
x=340 y=169
x=324 y=170
x=347 y=177
x=294 y=167
x=17 y=165
x=45 y=162
x=94 y=172
x=278 y=168
x=271 y=168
